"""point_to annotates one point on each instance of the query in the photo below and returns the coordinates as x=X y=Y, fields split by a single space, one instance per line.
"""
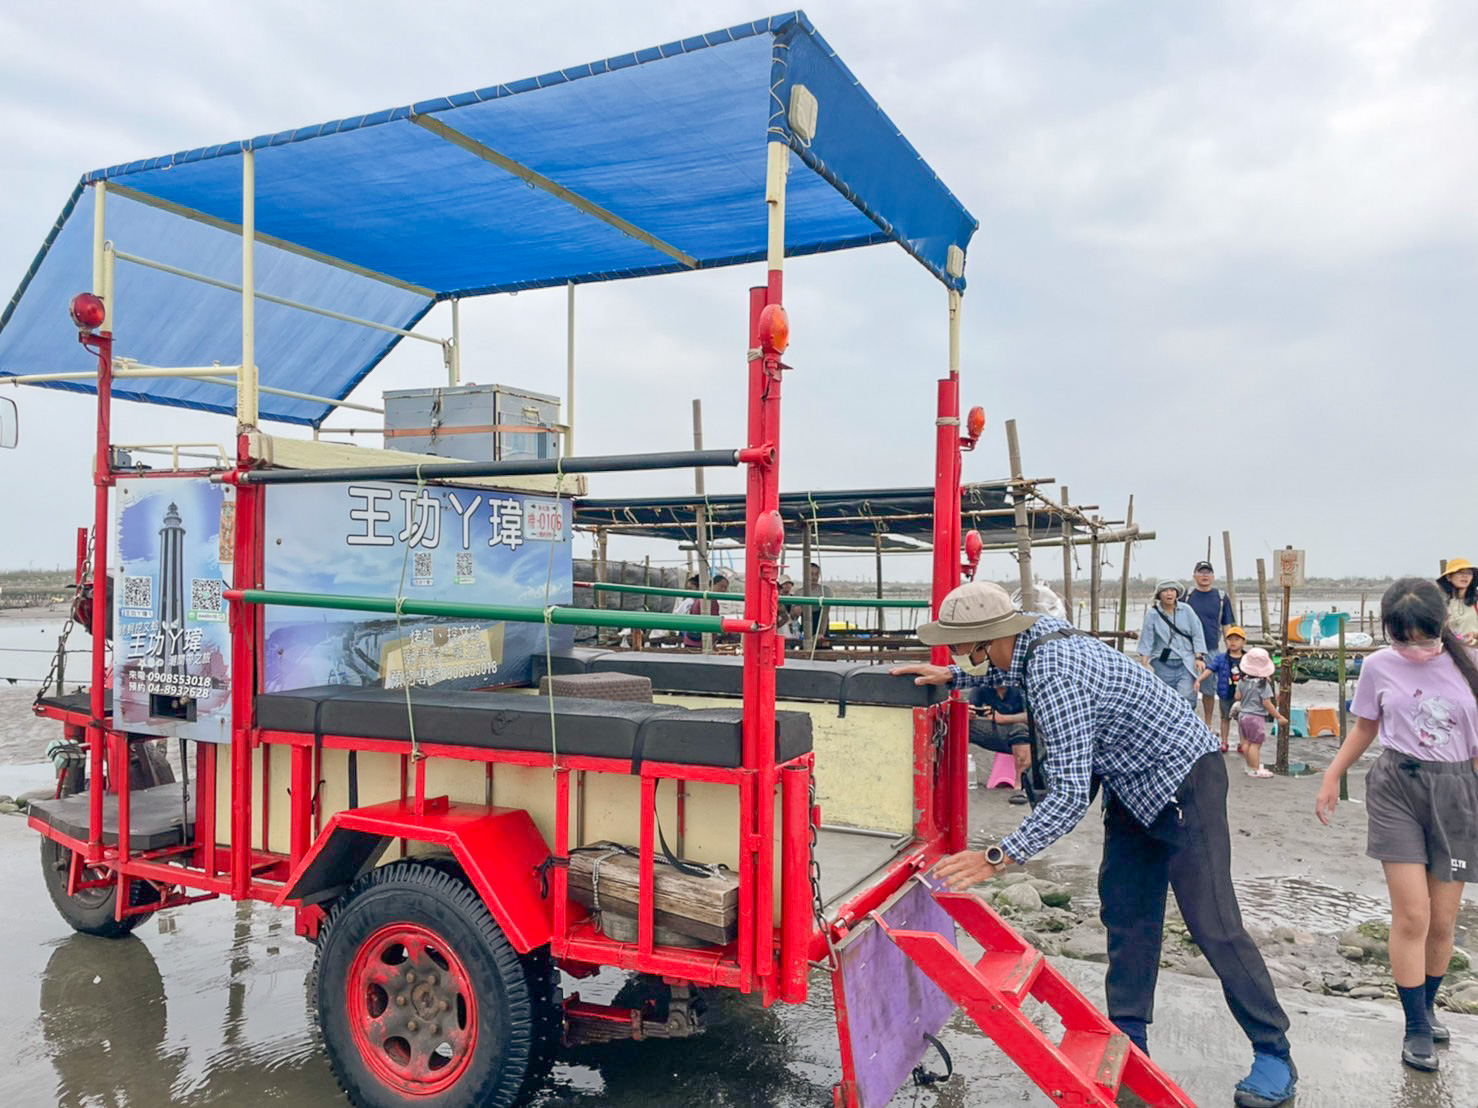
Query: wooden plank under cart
x=699 y=906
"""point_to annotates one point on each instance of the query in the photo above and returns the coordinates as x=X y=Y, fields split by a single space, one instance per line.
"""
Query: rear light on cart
x=88 y=311
x=975 y=423
x=774 y=329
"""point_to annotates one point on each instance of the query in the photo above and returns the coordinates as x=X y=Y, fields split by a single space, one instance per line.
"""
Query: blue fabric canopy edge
x=794 y=36
x=443 y=103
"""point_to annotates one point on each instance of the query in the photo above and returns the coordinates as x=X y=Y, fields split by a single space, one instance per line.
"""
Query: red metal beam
x=102 y=478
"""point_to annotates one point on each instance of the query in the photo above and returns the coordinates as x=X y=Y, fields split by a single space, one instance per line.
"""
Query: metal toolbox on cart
x=472 y=422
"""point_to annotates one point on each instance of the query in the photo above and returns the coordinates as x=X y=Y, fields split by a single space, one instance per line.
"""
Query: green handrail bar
x=583 y=617
x=793 y=598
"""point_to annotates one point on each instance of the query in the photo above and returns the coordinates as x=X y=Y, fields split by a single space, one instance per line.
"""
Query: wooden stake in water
x=1226 y=545
x=1067 y=559
x=1124 y=577
x=1262 y=598
x=1023 y=525
x=1095 y=579
x=1285 y=690
x=1344 y=778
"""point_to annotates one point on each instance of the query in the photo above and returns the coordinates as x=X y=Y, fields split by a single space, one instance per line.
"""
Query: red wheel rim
x=412 y=1009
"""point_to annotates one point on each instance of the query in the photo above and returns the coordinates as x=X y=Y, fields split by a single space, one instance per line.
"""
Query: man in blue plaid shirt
x=1106 y=720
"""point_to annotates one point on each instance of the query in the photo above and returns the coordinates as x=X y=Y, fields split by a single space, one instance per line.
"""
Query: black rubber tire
x=429 y=897
x=90 y=911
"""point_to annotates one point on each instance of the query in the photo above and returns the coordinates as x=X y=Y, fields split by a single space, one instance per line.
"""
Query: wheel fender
x=499 y=849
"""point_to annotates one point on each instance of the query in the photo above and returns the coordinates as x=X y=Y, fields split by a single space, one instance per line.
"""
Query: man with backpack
x=1105 y=722
x=1215 y=610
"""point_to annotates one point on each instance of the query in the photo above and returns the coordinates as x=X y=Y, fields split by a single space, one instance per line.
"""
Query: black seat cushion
x=877 y=685
x=559 y=662
x=723 y=675
x=832 y=682
x=511 y=721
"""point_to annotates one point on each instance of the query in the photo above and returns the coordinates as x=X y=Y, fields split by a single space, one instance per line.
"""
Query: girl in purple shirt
x=1420 y=697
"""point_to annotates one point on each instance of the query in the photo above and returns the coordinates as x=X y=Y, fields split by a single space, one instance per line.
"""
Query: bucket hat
x=1235 y=631
x=1257 y=663
x=1168 y=584
x=974 y=612
x=1455 y=564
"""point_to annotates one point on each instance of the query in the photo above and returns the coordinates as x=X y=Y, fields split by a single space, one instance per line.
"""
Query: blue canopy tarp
x=382 y=215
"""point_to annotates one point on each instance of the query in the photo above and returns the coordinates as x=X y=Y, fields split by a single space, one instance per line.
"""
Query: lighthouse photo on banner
x=171 y=649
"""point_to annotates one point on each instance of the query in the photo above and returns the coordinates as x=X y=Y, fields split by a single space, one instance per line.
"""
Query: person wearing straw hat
x=1105 y=721
x=1458 y=584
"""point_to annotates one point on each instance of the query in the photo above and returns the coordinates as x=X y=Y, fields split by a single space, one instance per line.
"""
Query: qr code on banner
x=138 y=592
x=205 y=594
x=464 y=568
x=421 y=571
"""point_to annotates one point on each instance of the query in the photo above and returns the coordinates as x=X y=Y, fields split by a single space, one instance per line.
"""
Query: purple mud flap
x=891 y=1003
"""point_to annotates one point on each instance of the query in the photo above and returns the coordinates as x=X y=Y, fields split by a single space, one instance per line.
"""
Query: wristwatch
x=996 y=856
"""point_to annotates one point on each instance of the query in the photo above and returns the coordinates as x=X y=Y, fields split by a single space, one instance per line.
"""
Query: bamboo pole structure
x=1124 y=576
x=1262 y=597
x=1285 y=681
x=1095 y=578
x=809 y=627
x=1344 y=778
x=1226 y=545
x=1067 y=559
x=877 y=546
x=1023 y=527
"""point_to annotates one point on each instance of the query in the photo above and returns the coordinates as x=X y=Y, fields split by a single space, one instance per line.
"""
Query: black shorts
x=1424 y=812
x=1000 y=737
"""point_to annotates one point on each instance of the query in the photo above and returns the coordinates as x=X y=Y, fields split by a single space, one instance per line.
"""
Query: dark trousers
x=1187 y=848
x=998 y=737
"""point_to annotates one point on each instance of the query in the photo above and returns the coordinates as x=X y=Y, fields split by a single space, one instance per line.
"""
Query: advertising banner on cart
x=172 y=646
x=385 y=538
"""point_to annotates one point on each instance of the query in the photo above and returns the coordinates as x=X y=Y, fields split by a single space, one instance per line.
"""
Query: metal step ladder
x=1091 y=1061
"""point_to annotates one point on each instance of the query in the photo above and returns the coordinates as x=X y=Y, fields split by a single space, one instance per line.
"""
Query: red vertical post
x=560 y=874
x=81 y=555
x=646 y=889
x=243 y=621
x=761 y=590
x=205 y=807
x=946 y=499
x=947 y=468
x=300 y=761
x=796 y=909
x=102 y=480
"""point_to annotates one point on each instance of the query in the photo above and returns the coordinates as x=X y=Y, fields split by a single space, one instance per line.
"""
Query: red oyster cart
x=361 y=657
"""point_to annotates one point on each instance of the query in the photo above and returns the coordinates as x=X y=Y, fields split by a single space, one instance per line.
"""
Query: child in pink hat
x=1255 y=703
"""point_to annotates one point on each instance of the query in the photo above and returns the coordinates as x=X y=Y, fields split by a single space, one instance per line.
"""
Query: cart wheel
x=420 y=997
x=90 y=911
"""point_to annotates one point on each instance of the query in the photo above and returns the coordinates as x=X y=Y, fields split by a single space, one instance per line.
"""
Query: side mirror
x=10 y=424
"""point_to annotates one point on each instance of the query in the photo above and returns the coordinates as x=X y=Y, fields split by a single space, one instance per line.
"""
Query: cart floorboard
x=153 y=817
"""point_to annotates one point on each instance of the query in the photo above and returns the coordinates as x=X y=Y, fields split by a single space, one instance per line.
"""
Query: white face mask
x=974 y=669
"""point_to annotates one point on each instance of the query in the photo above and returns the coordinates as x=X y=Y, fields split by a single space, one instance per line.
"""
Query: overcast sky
x=1227 y=258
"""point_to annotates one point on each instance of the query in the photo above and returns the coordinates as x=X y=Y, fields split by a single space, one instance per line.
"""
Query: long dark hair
x=1470 y=594
x=1414 y=607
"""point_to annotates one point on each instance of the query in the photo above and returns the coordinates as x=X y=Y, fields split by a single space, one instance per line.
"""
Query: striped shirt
x=1099 y=713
